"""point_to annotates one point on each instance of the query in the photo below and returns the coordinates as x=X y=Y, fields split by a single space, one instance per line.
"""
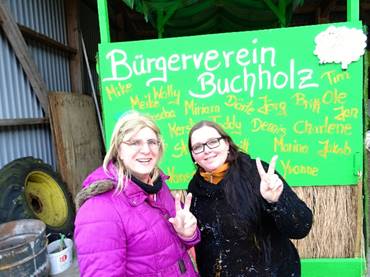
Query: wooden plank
x=76 y=137
x=33 y=35
x=23 y=121
x=75 y=63
x=21 y=51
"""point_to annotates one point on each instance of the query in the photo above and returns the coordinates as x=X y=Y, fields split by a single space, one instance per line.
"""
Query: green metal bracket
x=353 y=10
x=343 y=267
x=103 y=21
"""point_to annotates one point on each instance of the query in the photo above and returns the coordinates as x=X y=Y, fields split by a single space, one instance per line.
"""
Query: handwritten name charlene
x=251 y=69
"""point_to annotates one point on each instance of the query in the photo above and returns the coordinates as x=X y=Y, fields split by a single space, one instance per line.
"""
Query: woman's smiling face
x=140 y=153
x=211 y=158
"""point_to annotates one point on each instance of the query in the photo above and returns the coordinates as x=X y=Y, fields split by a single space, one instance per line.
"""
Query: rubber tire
x=13 y=200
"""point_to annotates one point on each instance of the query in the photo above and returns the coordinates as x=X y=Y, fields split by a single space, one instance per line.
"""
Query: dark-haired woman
x=245 y=210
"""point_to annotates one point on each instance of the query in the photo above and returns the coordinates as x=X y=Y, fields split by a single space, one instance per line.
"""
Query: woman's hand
x=271 y=185
x=184 y=222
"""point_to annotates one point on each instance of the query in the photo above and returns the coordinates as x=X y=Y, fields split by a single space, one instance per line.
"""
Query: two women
x=245 y=210
x=128 y=223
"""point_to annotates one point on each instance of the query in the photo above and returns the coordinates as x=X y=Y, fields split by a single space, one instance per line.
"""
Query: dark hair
x=233 y=149
x=243 y=198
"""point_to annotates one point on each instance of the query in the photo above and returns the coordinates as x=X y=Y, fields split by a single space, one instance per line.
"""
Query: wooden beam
x=365 y=6
x=73 y=33
x=23 y=122
x=23 y=55
x=33 y=35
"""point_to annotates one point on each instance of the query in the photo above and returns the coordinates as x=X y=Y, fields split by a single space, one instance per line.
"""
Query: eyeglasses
x=211 y=144
x=137 y=145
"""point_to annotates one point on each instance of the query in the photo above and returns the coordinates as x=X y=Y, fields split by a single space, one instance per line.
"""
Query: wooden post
x=73 y=32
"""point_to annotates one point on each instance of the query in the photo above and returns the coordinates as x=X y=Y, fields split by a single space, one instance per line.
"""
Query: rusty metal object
x=23 y=249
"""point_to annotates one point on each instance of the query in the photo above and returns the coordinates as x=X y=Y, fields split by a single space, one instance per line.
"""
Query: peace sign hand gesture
x=271 y=185
x=184 y=222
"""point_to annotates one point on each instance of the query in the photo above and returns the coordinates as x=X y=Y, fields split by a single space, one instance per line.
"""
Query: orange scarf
x=215 y=176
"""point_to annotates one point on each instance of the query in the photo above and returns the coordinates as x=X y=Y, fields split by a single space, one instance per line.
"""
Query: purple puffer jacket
x=128 y=234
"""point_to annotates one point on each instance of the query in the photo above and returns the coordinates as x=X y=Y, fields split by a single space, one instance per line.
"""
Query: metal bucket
x=23 y=249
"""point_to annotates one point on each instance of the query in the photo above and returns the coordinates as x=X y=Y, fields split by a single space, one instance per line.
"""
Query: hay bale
x=367 y=188
x=333 y=234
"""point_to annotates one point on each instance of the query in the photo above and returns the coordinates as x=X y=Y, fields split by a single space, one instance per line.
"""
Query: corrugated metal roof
x=17 y=99
x=43 y=16
x=53 y=66
x=17 y=142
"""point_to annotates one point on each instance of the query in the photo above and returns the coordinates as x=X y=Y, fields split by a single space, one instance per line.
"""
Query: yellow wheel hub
x=46 y=199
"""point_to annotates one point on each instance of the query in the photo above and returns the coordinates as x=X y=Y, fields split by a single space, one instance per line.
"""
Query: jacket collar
x=93 y=189
x=101 y=181
x=136 y=195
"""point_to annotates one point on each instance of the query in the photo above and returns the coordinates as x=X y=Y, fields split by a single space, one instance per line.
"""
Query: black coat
x=255 y=243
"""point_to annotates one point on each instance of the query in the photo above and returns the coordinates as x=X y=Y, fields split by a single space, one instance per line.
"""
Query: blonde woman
x=128 y=223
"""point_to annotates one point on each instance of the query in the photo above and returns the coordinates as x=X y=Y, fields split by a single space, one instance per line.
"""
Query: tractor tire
x=30 y=188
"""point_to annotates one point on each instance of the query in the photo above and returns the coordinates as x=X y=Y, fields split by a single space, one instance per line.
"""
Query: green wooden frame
x=310 y=267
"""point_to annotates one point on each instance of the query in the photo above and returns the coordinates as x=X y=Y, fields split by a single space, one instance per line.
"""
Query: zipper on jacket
x=182 y=266
x=218 y=266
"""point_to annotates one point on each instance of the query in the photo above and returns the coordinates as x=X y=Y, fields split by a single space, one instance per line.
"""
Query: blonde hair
x=126 y=127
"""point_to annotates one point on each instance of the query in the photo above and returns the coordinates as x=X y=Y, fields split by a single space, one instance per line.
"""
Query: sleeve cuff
x=193 y=239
